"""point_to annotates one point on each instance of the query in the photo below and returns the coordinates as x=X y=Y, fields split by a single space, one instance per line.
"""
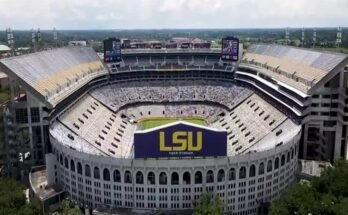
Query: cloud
x=129 y=14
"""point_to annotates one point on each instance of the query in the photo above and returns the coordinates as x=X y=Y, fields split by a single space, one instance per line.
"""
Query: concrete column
x=338 y=142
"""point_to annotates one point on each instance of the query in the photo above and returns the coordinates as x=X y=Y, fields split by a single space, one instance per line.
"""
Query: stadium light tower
x=39 y=39
x=33 y=39
x=303 y=37
x=55 y=36
x=287 y=36
x=339 y=36
x=10 y=40
x=314 y=37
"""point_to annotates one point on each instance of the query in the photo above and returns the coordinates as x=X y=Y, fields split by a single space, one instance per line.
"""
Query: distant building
x=180 y=40
x=201 y=44
x=125 y=43
x=5 y=51
x=311 y=168
x=184 y=42
x=155 y=44
x=4 y=81
x=43 y=189
x=77 y=43
x=138 y=45
x=23 y=50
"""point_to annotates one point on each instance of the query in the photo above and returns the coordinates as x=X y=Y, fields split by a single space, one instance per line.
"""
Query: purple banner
x=180 y=140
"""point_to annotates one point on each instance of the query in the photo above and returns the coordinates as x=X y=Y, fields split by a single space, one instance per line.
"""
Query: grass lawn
x=155 y=122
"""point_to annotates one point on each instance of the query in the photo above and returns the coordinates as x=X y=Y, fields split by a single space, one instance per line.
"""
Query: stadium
x=161 y=127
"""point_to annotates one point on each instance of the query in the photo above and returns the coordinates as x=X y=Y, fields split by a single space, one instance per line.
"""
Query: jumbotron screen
x=112 y=50
x=230 y=49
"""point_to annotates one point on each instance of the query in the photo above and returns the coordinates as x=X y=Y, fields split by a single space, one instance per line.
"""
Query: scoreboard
x=230 y=49
x=112 y=50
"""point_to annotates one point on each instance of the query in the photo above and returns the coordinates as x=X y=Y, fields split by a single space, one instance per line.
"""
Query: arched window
x=198 y=177
x=282 y=161
x=61 y=159
x=96 y=173
x=296 y=149
x=276 y=163
x=186 y=178
x=79 y=168
x=175 y=178
x=151 y=179
x=242 y=172
x=87 y=171
x=117 y=176
x=106 y=174
x=269 y=166
x=139 y=178
x=288 y=157
x=232 y=174
x=221 y=175
x=127 y=177
x=292 y=153
x=252 y=171
x=261 y=168
x=66 y=162
x=210 y=177
x=163 y=178
x=72 y=165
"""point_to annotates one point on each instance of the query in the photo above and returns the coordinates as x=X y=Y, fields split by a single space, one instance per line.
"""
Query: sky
x=159 y=14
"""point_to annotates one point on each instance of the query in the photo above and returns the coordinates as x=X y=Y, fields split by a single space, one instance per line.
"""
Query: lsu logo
x=181 y=141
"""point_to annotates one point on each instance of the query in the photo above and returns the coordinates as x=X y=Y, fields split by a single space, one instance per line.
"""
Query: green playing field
x=151 y=123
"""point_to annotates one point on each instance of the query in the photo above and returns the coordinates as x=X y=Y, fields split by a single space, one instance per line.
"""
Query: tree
x=13 y=200
x=68 y=208
x=207 y=205
x=333 y=180
x=326 y=195
x=300 y=199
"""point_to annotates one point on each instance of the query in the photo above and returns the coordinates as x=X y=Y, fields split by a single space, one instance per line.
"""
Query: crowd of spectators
x=117 y=95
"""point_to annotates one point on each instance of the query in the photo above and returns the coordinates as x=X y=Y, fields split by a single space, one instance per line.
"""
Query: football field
x=155 y=122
